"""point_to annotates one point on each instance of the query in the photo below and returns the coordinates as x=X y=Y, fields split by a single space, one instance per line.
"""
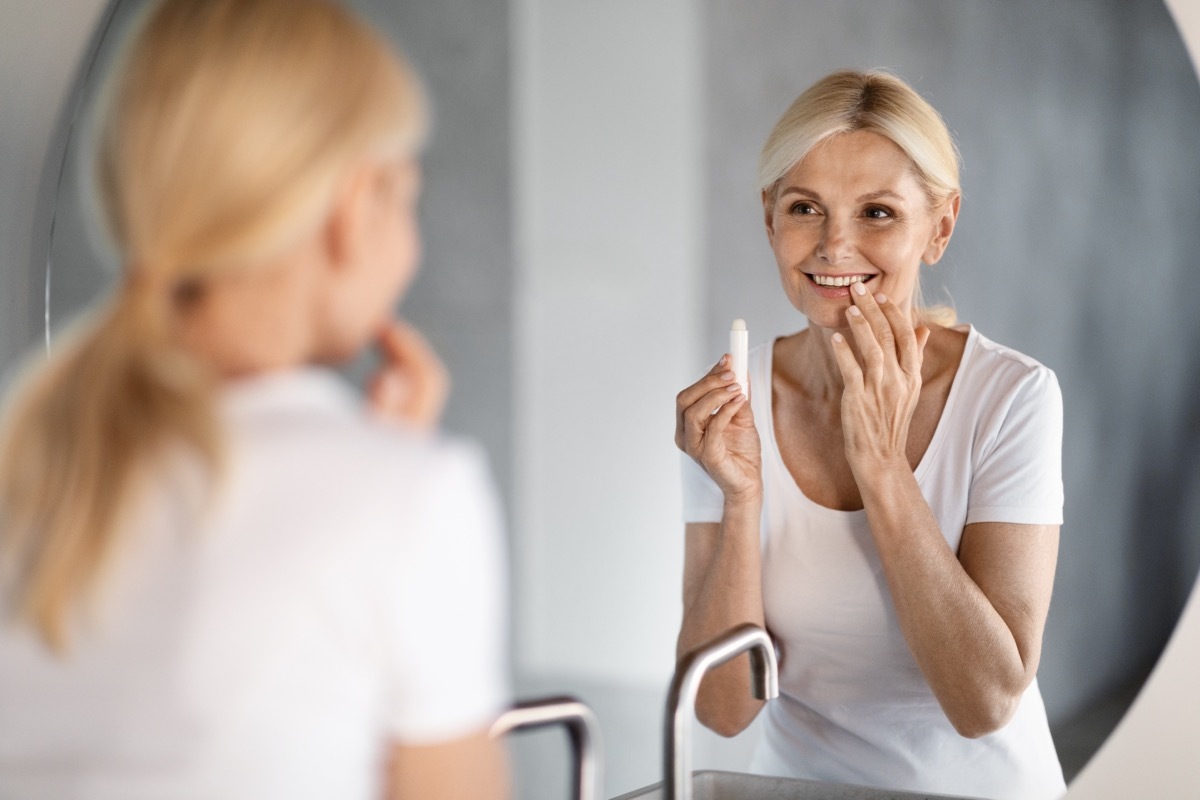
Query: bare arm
x=722 y=581
x=974 y=620
x=471 y=768
x=722 y=588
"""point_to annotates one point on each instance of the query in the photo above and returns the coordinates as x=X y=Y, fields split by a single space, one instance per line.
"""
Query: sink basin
x=715 y=785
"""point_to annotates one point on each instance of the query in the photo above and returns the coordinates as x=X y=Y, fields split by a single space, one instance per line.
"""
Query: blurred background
x=592 y=226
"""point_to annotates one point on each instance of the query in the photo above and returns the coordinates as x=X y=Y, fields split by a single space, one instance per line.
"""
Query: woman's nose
x=835 y=244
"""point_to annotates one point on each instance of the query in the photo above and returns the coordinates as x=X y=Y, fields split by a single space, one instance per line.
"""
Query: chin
x=336 y=353
x=828 y=317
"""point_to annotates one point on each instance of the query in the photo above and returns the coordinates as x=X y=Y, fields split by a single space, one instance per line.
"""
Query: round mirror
x=1078 y=126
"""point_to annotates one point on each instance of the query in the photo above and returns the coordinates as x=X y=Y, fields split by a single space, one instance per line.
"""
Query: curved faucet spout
x=582 y=726
x=681 y=701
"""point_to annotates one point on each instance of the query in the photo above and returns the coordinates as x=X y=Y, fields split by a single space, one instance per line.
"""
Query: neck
x=821 y=376
x=252 y=322
x=816 y=369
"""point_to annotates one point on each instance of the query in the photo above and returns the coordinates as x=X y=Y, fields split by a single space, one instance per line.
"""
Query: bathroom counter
x=715 y=785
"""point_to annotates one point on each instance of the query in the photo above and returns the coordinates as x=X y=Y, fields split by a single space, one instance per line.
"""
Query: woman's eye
x=803 y=208
x=877 y=212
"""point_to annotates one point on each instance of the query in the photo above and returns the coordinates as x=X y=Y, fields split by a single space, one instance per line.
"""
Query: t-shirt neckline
x=923 y=467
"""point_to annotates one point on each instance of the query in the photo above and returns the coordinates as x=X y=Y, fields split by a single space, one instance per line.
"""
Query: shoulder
x=1003 y=369
x=310 y=433
x=1008 y=394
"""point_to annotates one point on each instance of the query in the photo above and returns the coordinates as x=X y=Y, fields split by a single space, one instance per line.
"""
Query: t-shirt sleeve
x=1019 y=475
x=447 y=643
x=702 y=498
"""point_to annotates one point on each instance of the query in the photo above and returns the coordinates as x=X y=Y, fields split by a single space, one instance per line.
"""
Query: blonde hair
x=223 y=135
x=878 y=102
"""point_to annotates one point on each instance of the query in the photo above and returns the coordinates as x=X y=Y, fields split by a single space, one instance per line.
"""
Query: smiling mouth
x=837 y=280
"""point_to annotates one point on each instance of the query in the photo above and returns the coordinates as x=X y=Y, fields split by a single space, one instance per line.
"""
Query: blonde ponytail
x=76 y=442
x=223 y=137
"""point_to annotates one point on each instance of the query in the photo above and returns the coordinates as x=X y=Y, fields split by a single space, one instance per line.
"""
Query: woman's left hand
x=411 y=385
x=882 y=384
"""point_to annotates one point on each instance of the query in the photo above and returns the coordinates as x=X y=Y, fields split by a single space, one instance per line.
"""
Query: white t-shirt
x=346 y=591
x=854 y=706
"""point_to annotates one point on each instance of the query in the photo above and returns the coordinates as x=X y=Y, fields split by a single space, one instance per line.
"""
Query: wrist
x=882 y=477
x=745 y=500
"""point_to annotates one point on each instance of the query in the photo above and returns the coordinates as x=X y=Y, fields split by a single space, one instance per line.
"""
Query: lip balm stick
x=739 y=345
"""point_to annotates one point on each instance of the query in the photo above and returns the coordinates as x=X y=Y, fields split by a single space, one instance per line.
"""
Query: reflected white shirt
x=854 y=706
x=345 y=591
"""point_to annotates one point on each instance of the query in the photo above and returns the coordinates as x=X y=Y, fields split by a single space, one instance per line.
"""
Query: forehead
x=858 y=162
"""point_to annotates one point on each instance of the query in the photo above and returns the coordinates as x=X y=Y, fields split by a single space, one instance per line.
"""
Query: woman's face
x=386 y=248
x=853 y=210
x=393 y=243
x=399 y=246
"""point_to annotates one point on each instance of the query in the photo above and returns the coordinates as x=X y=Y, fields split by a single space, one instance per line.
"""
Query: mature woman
x=222 y=576
x=887 y=501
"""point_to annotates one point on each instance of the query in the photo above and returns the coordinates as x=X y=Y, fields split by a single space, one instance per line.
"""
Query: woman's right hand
x=411 y=384
x=724 y=443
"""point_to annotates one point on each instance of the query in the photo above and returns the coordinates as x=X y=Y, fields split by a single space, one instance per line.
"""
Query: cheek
x=793 y=243
x=895 y=250
x=408 y=246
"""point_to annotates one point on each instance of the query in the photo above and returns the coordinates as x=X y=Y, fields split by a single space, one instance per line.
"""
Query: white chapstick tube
x=739 y=346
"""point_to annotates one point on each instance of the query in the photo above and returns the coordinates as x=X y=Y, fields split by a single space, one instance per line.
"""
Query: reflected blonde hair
x=873 y=101
x=223 y=135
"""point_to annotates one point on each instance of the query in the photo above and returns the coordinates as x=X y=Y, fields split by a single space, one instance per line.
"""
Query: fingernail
x=727 y=376
x=733 y=387
x=881 y=298
x=854 y=312
x=859 y=288
x=837 y=337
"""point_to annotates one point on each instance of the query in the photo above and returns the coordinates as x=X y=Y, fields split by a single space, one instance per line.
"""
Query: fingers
x=717 y=423
x=401 y=343
x=695 y=421
x=716 y=379
x=852 y=374
x=716 y=376
x=411 y=384
x=882 y=329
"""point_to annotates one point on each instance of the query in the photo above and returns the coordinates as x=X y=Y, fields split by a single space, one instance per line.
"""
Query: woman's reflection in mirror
x=887 y=501
x=223 y=575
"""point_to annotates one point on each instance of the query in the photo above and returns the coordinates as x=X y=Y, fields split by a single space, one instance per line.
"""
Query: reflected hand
x=411 y=385
x=883 y=383
x=724 y=443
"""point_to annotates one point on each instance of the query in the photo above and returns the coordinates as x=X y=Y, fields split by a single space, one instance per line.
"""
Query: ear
x=345 y=232
x=768 y=202
x=945 y=217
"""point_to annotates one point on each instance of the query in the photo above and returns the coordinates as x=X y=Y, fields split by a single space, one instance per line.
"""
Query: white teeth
x=832 y=280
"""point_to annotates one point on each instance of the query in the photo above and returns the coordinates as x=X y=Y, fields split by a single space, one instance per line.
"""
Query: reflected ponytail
x=223 y=136
x=81 y=435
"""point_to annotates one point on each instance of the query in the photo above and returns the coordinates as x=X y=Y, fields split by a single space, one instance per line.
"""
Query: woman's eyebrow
x=880 y=194
x=800 y=190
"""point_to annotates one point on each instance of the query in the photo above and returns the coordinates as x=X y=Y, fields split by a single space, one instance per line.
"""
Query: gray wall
x=1078 y=124
x=463 y=297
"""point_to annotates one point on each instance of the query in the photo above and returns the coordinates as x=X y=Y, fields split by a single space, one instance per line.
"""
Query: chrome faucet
x=681 y=701
x=582 y=725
